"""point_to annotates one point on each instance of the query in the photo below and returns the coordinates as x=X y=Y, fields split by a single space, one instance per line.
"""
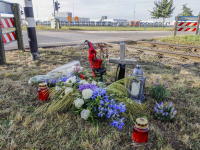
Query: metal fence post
x=2 y=50
x=198 y=23
x=175 y=30
x=29 y=15
x=17 y=22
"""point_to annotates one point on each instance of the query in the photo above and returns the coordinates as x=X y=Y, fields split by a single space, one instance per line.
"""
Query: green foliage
x=159 y=90
x=119 y=91
x=186 y=11
x=163 y=9
x=164 y=113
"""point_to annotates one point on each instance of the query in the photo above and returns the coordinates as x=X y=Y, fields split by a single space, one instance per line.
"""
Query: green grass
x=104 y=28
x=20 y=128
x=182 y=40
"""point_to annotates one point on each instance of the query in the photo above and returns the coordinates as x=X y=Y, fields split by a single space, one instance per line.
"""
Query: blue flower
x=157 y=105
x=166 y=113
x=161 y=111
x=163 y=114
x=114 y=123
x=170 y=105
x=172 y=110
x=161 y=104
x=172 y=116
x=155 y=109
x=109 y=113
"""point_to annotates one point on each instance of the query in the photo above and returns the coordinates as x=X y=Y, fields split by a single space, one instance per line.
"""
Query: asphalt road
x=64 y=38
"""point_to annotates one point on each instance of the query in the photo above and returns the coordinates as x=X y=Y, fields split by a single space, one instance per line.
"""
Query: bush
x=164 y=113
x=159 y=90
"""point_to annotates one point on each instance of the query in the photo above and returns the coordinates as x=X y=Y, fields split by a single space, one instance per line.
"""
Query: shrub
x=166 y=113
x=159 y=90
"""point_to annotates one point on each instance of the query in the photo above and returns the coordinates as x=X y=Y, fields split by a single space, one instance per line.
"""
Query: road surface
x=64 y=38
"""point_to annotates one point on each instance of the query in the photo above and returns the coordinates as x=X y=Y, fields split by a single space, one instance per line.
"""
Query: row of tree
x=164 y=9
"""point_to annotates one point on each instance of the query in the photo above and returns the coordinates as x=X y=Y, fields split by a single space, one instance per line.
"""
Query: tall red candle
x=43 y=92
x=141 y=130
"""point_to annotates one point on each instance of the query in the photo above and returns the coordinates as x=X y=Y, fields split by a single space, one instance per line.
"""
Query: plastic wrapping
x=38 y=79
x=65 y=70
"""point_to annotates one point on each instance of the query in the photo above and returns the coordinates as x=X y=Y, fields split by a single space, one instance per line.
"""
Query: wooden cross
x=122 y=62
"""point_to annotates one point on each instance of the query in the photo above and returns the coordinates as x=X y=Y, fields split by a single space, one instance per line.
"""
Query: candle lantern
x=136 y=85
x=141 y=130
x=43 y=92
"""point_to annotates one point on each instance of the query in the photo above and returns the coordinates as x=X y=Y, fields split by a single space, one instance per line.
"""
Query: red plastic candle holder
x=141 y=131
x=43 y=92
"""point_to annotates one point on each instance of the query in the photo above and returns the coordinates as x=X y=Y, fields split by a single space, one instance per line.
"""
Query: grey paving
x=63 y=38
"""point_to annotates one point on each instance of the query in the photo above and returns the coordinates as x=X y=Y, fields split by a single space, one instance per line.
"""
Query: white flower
x=79 y=102
x=71 y=80
x=83 y=82
x=94 y=82
x=175 y=112
x=87 y=93
x=68 y=90
x=58 y=88
x=85 y=113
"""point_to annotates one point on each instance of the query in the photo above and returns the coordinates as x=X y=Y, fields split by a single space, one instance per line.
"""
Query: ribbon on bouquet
x=121 y=73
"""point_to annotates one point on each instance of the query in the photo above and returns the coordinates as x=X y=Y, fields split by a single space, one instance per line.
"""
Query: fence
x=104 y=23
x=187 y=24
x=13 y=22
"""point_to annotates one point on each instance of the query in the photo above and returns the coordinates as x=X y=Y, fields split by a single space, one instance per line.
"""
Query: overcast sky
x=114 y=9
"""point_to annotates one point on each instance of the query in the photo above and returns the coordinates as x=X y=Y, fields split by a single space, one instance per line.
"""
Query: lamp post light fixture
x=136 y=85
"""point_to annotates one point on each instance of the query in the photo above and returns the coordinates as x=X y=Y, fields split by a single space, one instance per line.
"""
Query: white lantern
x=137 y=85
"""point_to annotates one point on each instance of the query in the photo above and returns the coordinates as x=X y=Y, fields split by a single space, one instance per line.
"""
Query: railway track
x=187 y=48
x=166 y=53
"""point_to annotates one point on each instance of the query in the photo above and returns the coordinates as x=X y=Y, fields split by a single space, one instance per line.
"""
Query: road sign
x=184 y=23
x=187 y=18
x=5 y=7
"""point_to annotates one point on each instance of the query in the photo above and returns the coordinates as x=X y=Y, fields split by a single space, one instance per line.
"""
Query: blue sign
x=6 y=7
x=187 y=18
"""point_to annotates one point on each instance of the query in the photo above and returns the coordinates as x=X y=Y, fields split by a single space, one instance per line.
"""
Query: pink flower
x=152 y=82
x=158 y=78
x=84 y=65
x=156 y=83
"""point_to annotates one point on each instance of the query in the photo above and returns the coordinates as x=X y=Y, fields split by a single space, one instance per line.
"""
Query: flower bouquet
x=85 y=98
x=97 y=64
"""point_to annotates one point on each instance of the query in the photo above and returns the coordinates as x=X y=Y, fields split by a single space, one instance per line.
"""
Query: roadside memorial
x=122 y=62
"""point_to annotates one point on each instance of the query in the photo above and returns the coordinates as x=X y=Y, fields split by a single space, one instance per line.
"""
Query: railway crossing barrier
x=187 y=24
x=6 y=37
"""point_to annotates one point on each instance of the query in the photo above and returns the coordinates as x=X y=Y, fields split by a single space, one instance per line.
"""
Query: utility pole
x=73 y=11
x=54 y=8
x=37 y=11
x=134 y=14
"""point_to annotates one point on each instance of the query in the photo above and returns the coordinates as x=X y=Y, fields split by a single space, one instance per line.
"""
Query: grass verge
x=182 y=40
x=21 y=129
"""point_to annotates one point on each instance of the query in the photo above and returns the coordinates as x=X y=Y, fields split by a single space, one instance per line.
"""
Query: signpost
x=8 y=23
x=187 y=24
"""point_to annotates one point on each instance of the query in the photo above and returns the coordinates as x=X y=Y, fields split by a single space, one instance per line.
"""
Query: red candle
x=141 y=130
x=43 y=92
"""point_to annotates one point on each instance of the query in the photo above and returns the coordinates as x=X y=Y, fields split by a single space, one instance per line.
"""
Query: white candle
x=135 y=88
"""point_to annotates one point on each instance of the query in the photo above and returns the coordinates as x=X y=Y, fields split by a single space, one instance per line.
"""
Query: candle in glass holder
x=141 y=130
x=43 y=92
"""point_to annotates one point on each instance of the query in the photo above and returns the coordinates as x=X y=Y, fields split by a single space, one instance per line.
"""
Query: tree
x=163 y=9
x=186 y=11
x=199 y=13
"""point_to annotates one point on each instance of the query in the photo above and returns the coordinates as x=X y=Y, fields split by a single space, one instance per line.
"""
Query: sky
x=113 y=9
